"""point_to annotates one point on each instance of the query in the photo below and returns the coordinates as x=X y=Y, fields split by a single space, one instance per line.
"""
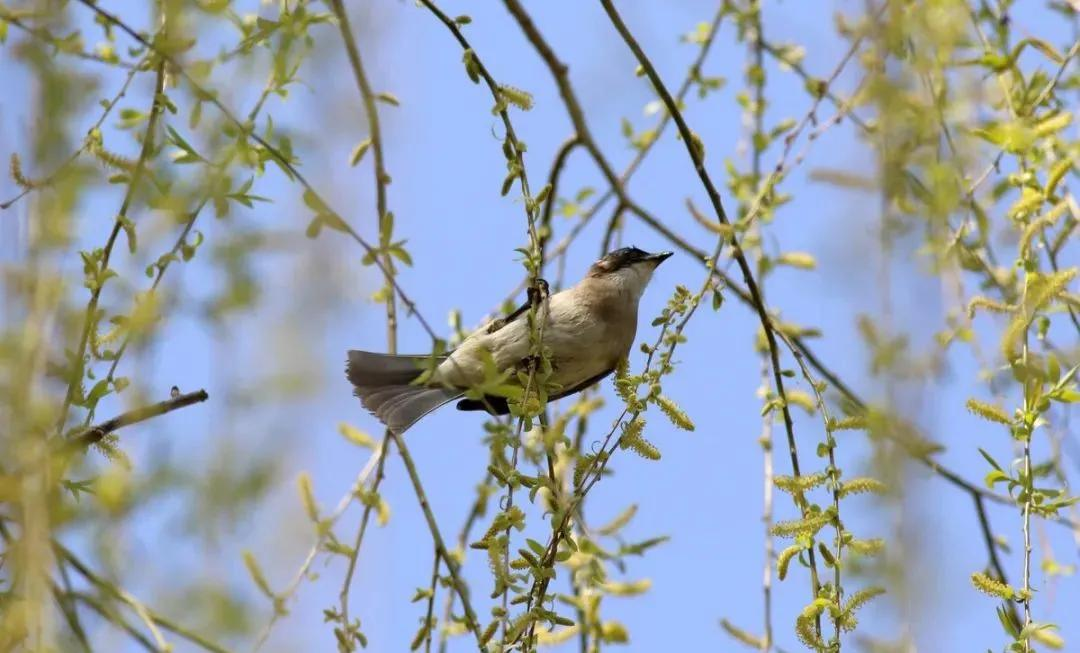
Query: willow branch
x=382 y=178
x=114 y=617
x=454 y=568
x=153 y=618
x=156 y=107
x=478 y=508
x=43 y=35
x=302 y=572
x=558 y=164
x=96 y=433
x=658 y=129
x=52 y=177
x=283 y=161
x=696 y=156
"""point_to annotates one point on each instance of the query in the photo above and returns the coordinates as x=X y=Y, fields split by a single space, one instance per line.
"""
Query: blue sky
x=447 y=168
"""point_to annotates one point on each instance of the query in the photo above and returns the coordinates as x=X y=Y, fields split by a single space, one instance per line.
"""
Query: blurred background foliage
x=870 y=325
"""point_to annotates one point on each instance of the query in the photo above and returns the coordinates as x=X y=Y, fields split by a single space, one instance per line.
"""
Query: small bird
x=587 y=329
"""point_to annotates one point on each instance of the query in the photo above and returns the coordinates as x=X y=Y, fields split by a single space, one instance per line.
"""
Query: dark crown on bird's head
x=625 y=257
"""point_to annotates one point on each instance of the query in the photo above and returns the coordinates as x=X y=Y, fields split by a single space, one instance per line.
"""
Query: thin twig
x=301 y=573
x=51 y=178
x=624 y=177
x=756 y=51
x=152 y=618
x=70 y=611
x=114 y=617
x=382 y=178
x=429 y=624
x=280 y=158
x=89 y=319
x=96 y=433
x=45 y=36
x=478 y=508
x=558 y=164
x=991 y=549
x=454 y=568
x=365 y=518
x=167 y=260
x=696 y=155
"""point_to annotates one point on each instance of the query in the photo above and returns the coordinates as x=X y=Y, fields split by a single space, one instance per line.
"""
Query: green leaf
x=307 y=496
x=334 y=221
x=388 y=98
x=989 y=459
x=800 y=260
x=472 y=67
x=995 y=476
x=615 y=525
x=398 y=252
x=1053 y=123
x=100 y=389
x=1043 y=47
x=314 y=202
x=257 y=575
x=79 y=487
x=359 y=151
x=356 y=436
x=741 y=635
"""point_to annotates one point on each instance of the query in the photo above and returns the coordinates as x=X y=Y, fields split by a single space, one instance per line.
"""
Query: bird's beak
x=659 y=257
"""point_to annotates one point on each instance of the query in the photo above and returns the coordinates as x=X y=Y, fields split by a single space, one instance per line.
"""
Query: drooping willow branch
x=382 y=178
x=757 y=80
x=661 y=124
x=150 y=617
x=89 y=319
x=534 y=259
x=377 y=457
x=29 y=187
x=696 y=153
x=280 y=158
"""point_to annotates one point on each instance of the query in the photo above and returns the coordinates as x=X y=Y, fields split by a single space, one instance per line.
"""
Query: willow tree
x=153 y=140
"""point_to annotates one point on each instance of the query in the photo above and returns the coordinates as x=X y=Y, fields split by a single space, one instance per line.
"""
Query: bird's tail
x=384 y=384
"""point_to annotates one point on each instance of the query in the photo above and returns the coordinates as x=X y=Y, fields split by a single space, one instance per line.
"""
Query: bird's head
x=628 y=267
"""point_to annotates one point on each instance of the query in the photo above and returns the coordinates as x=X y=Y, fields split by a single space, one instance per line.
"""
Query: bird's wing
x=520 y=310
x=499 y=323
x=498 y=406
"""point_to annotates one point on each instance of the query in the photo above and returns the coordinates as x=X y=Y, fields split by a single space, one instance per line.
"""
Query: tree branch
x=697 y=157
x=95 y=434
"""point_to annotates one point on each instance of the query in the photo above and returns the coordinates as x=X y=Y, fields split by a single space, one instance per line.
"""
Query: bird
x=588 y=329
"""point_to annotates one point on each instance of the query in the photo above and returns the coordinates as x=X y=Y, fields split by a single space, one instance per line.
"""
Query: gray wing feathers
x=383 y=384
x=367 y=368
